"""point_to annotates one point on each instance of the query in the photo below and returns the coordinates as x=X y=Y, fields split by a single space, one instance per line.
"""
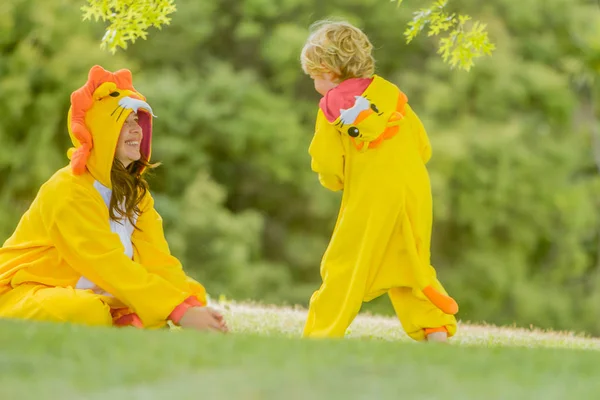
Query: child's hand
x=202 y=319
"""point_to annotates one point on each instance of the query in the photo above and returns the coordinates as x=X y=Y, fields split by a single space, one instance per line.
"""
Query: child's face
x=128 y=146
x=324 y=82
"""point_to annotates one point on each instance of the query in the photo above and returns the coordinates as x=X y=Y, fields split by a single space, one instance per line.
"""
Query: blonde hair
x=339 y=48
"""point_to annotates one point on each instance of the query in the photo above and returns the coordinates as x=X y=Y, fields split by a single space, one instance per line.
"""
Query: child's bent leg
x=419 y=317
x=353 y=260
x=55 y=304
x=333 y=307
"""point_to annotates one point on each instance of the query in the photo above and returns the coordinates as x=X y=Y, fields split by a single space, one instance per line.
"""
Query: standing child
x=369 y=143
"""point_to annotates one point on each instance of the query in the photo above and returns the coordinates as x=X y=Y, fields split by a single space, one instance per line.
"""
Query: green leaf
x=460 y=47
x=128 y=20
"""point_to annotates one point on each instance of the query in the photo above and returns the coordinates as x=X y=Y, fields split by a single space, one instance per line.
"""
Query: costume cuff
x=181 y=309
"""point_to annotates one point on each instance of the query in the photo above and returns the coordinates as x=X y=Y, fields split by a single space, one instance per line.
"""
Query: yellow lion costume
x=369 y=143
x=66 y=261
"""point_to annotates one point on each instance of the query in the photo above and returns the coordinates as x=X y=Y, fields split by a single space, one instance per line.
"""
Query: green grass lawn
x=263 y=358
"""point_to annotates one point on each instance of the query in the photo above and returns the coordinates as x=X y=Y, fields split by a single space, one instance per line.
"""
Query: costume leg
x=42 y=303
x=335 y=305
x=351 y=264
x=417 y=313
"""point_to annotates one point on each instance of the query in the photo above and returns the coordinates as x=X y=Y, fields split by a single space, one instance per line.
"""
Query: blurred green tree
x=129 y=20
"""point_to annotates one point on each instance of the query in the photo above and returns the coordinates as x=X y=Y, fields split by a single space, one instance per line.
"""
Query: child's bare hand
x=202 y=319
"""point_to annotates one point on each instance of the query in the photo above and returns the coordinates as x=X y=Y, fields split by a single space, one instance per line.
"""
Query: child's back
x=370 y=143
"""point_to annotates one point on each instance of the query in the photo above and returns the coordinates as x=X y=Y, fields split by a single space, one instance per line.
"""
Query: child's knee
x=75 y=306
x=93 y=312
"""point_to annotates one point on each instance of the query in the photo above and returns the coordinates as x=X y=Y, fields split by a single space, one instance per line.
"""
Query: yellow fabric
x=65 y=235
x=381 y=240
x=152 y=251
x=102 y=117
x=55 y=304
x=416 y=312
x=329 y=162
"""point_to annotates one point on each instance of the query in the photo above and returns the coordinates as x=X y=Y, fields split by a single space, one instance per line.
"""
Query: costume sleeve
x=327 y=152
x=152 y=251
x=421 y=134
x=78 y=226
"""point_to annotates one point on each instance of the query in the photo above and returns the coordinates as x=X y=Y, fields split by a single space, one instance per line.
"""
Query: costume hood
x=368 y=110
x=97 y=113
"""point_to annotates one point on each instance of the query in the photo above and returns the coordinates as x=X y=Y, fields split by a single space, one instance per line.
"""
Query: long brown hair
x=129 y=187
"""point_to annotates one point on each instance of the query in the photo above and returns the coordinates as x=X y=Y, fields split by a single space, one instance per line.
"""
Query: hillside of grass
x=264 y=358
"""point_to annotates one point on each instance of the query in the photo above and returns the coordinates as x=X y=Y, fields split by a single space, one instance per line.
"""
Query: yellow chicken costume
x=67 y=261
x=369 y=143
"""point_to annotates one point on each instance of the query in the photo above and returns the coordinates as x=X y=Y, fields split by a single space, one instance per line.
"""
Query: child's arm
x=420 y=134
x=327 y=152
x=152 y=251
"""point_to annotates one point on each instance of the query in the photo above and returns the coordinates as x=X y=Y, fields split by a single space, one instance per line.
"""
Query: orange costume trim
x=81 y=101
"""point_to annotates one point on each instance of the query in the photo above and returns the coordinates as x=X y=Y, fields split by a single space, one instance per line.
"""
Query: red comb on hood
x=342 y=96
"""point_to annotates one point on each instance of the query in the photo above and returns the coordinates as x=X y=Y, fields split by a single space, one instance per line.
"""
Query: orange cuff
x=129 y=320
x=429 y=331
x=194 y=302
x=180 y=310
